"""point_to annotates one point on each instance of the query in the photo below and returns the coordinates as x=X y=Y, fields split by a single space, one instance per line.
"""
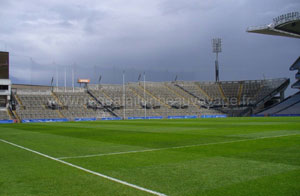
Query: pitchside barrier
x=6 y=121
x=275 y=115
x=182 y=117
x=214 y=116
x=258 y=115
x=129 y=118
x=85 y=119
x=44 y=120
x=145 y=118
x=115 y=118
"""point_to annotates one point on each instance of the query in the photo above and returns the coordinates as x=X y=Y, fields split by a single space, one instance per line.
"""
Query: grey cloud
x=181 y=6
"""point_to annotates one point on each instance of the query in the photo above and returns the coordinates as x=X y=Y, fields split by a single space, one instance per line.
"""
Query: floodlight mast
x=217 y=48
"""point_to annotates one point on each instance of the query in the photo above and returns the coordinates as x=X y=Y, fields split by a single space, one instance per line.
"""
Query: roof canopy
x=287 y=25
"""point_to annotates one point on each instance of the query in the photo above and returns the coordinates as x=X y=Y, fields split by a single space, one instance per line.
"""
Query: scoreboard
x=4 y=65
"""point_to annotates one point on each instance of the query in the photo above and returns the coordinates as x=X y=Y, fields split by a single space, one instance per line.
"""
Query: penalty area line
x=169 y=148
x=86 y=170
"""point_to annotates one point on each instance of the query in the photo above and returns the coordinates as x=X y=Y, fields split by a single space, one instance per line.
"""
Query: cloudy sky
x=164 y=38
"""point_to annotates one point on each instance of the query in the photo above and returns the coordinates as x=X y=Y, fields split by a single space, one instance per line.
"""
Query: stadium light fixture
x=124 y=99
x=217 y=48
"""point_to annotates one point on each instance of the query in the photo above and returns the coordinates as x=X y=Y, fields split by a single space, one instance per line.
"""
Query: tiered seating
x=34 y=106
x=114 y=94
x=213 y=92
x=157 y=99
x=172 y=104
x=193 y=102
x=193 y=89
x=209 y=92
x=268 y=86
x=156 y=107
x=246 y=93
x=250 y=91
x=75 y=105
x=4 y=115
x=230 y=89
x=281 y=107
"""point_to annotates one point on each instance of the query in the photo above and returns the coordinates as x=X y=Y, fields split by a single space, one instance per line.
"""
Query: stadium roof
x=287 y=25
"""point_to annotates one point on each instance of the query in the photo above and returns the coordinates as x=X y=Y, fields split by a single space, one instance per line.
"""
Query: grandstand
x=291 y=105
x=152 y=99
x=4 y=115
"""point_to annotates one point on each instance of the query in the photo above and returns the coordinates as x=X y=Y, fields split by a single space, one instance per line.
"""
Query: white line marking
x=176 y=147
x=87 y=170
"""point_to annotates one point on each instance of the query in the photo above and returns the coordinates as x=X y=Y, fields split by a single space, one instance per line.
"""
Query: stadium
x=153 y=138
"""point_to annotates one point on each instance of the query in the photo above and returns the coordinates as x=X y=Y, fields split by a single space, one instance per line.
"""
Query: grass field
x=232 y=156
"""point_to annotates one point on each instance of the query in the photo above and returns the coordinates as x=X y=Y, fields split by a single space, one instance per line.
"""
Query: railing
x=273 y=93
x=30 y=92
x=68 y=90
x=98 y=101
x=286 y=18
x=261 y=27
x=294 y=16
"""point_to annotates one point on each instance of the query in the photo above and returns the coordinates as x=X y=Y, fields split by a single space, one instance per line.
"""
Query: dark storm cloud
x=162 y=37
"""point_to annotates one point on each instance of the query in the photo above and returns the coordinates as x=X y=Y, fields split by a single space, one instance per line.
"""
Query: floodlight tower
x=217 y=48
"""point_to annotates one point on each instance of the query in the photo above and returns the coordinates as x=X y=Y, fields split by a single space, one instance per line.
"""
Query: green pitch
x=233 y=156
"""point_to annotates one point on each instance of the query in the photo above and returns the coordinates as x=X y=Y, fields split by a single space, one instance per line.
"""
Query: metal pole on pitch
x=124 y=104
x=65 y=79
x=31 y=74
x=56 y=78
x=145 y=95
x=73 y=83
x=99 y=80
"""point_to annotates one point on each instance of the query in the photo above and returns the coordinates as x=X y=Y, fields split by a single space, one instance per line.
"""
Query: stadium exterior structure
x=287 y=25
x=152 y=100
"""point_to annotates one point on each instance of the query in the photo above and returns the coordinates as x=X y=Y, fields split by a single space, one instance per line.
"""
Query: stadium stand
x=34 y=106
x=80 y=105
x=164 y=99
x=296 y=67
x=4 y=115
x=112 y=97
x=245 y=93
x=290 y=104
x=231 y=89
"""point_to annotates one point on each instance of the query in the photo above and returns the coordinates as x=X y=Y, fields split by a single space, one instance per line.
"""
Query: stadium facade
x=154 y=100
